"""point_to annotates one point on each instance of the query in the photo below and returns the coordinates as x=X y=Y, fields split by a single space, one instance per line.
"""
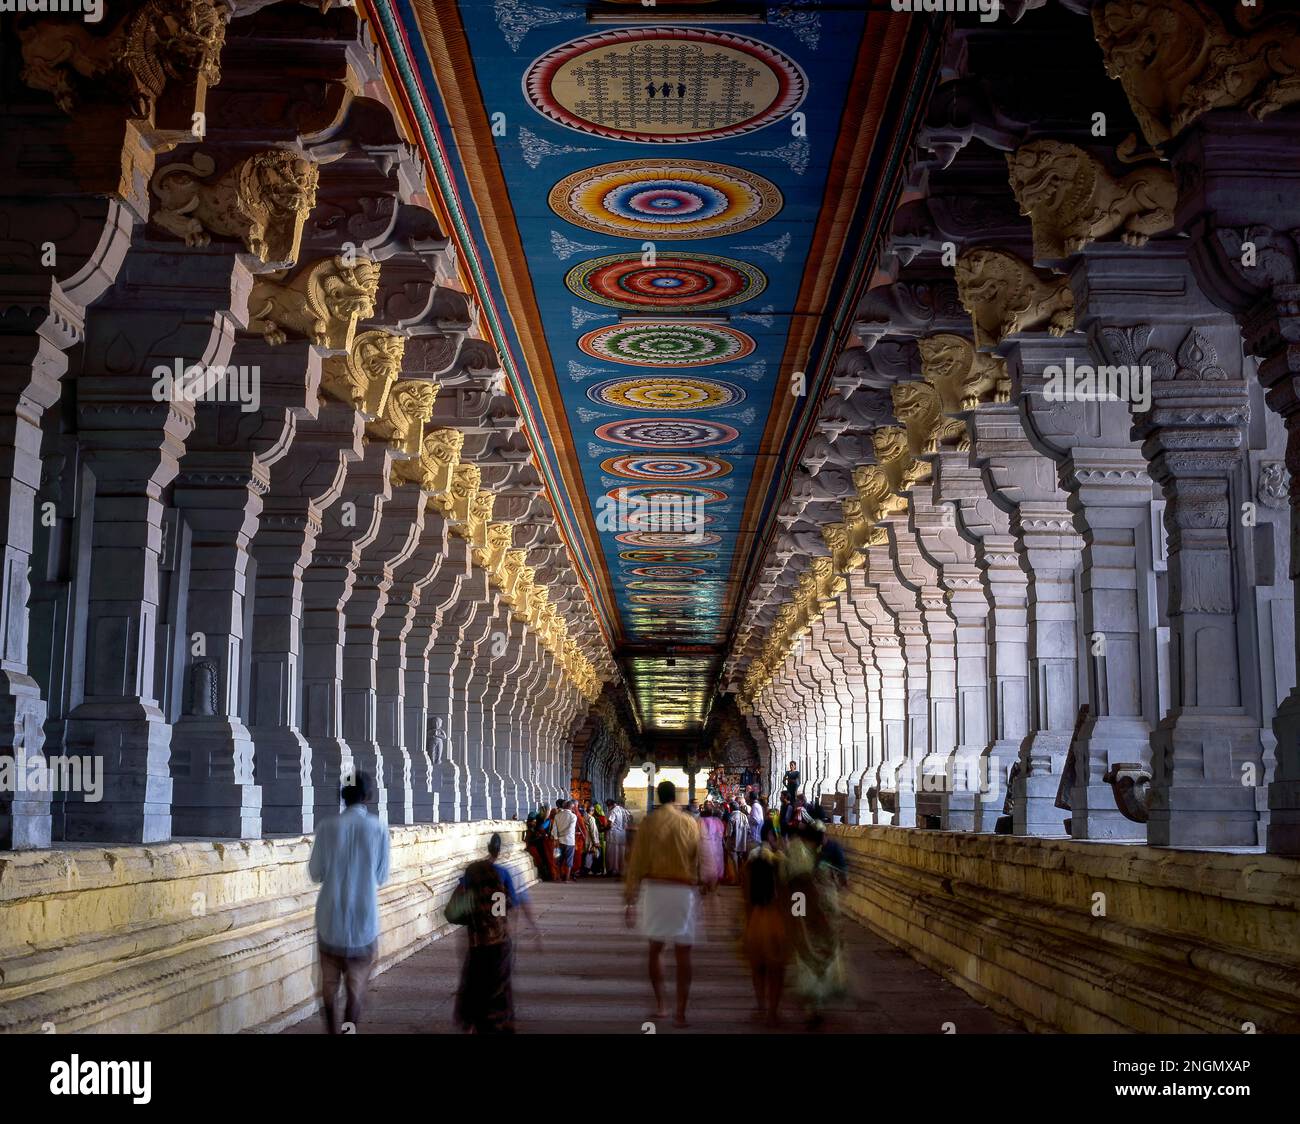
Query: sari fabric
x=819 y=956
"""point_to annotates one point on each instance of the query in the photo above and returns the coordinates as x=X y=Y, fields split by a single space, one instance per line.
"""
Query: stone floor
x=589 y=977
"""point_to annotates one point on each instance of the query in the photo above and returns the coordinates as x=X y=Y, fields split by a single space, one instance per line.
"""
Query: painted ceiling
x=660 y=200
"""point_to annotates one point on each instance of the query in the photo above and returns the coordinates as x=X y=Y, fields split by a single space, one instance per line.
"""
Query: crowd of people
x=577 y=839
x=790 y=873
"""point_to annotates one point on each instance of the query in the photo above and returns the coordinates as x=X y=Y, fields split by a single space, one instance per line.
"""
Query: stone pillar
x=221 y=489
x=307 y=482
x=32 y=360
x=1024 y=482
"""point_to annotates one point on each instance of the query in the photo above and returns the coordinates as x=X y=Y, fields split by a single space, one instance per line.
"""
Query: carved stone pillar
x=307 y=482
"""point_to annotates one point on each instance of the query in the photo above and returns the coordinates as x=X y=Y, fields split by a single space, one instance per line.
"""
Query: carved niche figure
x=263 y=201
x=437 y=741
x=1004 y=296
x=1274 y=487
x=1071 y=199
x=1177 y=60
x=364 y=376
x=401 y=423
x=161 y=41
x=322 y=302
x=961 y=374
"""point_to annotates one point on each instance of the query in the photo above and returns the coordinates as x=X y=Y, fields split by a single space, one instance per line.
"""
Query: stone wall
x=1188 y=942
x=202 y=936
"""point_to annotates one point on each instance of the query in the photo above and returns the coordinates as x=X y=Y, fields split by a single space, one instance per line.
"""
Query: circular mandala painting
x=666 y=392
x=699 y=282
x=668 y=345
x=660 y=599
x=668 y=538
x=668 y=433
x=677 y=496
x=636 y=467
x=659 y=85
x=668 y=555
x=665 y=199
x=662 y=587
x=670 y=571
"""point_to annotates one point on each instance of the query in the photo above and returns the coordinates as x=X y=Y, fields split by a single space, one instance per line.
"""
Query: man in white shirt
x=349 y=858
x=619 y=821
x=738 y=835
x=756 y=822
x=564 y=826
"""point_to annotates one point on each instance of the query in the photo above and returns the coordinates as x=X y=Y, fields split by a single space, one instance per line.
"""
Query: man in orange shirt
x=663 y=873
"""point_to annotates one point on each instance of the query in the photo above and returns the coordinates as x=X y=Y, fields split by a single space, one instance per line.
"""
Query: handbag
x=460 y=906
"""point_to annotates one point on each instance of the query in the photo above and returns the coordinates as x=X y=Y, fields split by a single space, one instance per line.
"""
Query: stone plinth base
x=1189 y=941
x=215 y=936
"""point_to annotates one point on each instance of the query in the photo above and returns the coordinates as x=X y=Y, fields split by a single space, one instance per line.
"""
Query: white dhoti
x=667 y=911
x=617 y=851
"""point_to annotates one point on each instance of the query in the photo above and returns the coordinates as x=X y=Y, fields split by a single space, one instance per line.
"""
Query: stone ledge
x=1191 y=941
x=114 y=938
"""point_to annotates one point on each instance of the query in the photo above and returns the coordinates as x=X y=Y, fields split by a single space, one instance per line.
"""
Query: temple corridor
x=444 y=439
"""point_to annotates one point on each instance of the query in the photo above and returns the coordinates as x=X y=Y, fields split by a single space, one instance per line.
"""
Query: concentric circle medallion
x=668 y=556
x=636 y=467
x=666 y=392
x=657 y=85
x=667 y=433
x=668 y=538
x=665 y=199
x=668 y=345
x=670 y=571
x=675 y=496
x=660 y=599
x=699 y=282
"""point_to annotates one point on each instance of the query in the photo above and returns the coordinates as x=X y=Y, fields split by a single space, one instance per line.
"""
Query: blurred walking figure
x=711 y=848
x=766 y=937
x=818 y=956
x=482 y=902
x=349 y=859
x=738 y=845
x=564 y=827
x=620 y=819
x=756 y=817
x=662 y=874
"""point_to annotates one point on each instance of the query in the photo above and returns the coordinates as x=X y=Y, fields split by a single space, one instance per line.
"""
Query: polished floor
x=588 y=976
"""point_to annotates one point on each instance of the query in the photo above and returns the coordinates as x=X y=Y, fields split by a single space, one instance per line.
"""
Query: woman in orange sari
x=579 y=839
